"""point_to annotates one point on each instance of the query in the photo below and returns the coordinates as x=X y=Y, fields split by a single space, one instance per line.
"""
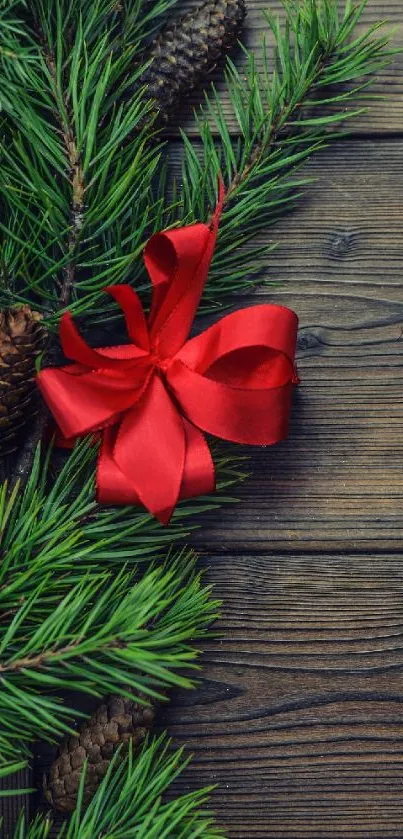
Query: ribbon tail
x=147 y=457
x=113 y=485
x=132 y=308
x=198 y=474
x=75 y=347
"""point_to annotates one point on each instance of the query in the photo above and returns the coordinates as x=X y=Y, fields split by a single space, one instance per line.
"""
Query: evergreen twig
x=283 y=117
x=319 y=81
x=131 y=803
x=75 y=611
x=108 y=633
x=76 y=172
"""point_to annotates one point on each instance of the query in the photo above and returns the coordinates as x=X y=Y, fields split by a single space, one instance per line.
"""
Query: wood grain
x=337 y=482
x=385 y=114
x=12 y=805
x=299 y=717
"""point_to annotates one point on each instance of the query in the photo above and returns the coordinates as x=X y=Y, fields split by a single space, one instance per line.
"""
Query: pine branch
x=320 y=59
x=131 y=802
x=77 y=151
x=283 y=117
x=59 y=98
x=63 y=504
x=77 y=181
x=109 y=633
x=76 y=612
x=65 y=123
x=76 y=174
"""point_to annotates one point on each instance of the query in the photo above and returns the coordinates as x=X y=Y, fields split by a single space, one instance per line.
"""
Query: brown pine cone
x=116 y=721
x=187 y=50
x=22 y=338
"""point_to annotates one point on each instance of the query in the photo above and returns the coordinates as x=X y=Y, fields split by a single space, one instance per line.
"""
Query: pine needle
x=131 y=802
x=82 y=188
x=83 y=604
x=295 y=106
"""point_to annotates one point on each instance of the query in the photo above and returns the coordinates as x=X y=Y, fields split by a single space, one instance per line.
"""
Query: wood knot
x=307 y=340
x=341 y=243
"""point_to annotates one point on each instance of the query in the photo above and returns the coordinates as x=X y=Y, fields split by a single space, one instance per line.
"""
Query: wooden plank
x=299 y=717
x=337 y=482
x=12 y=805
x=384 y=116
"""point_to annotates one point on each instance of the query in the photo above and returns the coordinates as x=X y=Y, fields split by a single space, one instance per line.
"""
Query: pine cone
x=187 y=50
x=22 y=338
x=117 y=721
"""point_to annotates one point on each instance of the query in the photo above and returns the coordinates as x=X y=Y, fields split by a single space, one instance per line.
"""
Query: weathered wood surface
x=299 y=720
x=337 y=482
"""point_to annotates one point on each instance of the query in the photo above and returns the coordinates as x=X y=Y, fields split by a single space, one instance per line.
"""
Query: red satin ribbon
x=153 y=398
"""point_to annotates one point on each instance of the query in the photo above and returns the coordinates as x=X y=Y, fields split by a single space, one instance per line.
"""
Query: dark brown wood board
x=299 y=714
x=337 y=482
x=299 y=719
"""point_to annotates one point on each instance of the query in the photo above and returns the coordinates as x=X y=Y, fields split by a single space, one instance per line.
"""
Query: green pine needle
x=107 y=633
x=76 y=165
x=82 y=188
x=131 y=802
x=284 y=114
x=82 y=605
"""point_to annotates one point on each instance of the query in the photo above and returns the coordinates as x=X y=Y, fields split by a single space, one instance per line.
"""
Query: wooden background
x=299 y=717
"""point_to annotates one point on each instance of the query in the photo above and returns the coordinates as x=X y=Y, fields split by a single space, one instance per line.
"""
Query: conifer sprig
x=131 y=803
x=56 y=523
x=78 y=176
x=108 y=633
x=76 y=165
x=82 y=607
x=284 y=113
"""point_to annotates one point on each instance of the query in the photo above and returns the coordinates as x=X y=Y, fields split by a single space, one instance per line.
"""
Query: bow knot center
x=161 y=364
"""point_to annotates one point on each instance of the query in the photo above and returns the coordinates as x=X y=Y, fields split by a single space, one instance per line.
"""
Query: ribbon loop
x=178 y=294
x=74 y=346
x=136 y=323
x=152 y=399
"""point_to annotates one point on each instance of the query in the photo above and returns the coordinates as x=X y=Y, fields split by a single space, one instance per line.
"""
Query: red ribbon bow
x=154 y=397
